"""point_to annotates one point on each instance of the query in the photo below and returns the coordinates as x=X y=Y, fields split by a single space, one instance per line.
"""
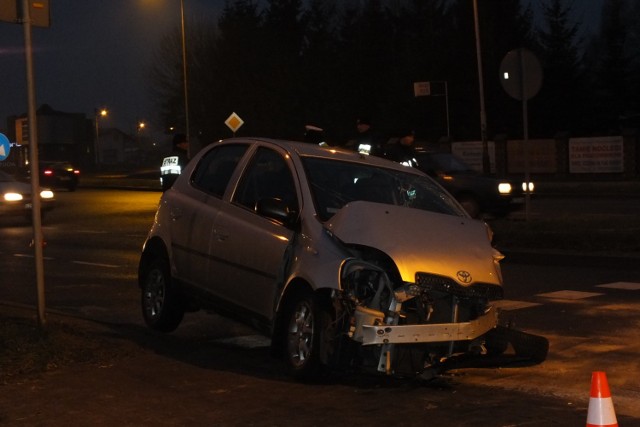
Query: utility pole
x=486 y=166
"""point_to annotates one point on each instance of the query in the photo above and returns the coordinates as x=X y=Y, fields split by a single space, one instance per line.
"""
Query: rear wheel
x=306 y=322
x=162 y=304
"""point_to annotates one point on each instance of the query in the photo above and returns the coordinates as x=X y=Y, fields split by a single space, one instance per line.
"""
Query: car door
x=249 y=248
x=195 y=206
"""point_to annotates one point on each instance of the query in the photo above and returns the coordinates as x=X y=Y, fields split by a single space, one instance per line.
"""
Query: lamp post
x=102 y=112
x=486 y=166
x=184 y=77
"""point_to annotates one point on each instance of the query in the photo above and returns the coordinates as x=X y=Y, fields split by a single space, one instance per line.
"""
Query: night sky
x=97 y=54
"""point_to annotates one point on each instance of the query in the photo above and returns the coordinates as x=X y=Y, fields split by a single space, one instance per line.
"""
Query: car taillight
x=48 y=172
x=76 y=172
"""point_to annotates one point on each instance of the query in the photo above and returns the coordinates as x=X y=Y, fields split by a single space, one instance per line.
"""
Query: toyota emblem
x=464 y=276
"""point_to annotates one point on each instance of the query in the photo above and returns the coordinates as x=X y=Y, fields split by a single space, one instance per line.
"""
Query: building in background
x=72 y=137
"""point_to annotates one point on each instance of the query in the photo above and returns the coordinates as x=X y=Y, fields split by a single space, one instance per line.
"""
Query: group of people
x=366 y=141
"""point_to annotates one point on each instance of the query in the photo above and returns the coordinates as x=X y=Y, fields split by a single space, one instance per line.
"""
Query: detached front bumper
x=439 y=332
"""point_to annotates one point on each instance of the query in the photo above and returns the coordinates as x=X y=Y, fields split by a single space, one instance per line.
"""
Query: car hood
x=421 y=241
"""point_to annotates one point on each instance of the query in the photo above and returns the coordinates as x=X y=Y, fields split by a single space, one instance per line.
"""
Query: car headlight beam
x=528 y=187
x=13 y=197
x=46 y=194
x=504 y=188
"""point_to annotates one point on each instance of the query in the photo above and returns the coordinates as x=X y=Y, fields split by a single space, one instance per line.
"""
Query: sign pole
x=38 y=240
x=525 y=126
x=521 y=78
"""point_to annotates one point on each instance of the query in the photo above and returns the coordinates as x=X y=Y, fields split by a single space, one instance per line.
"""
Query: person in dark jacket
x=403 y=150
x=366 y=141
x=173 y=165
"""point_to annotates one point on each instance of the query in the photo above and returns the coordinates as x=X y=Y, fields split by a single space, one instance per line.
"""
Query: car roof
x=305 y=149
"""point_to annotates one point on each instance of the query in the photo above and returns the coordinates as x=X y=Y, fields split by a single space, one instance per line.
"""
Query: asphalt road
x=216 y=372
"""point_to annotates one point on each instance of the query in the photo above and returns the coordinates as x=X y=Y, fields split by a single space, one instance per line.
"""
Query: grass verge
x=28 y=350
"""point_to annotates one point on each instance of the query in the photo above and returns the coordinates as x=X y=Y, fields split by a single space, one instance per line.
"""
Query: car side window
x=216 y=167
x=267 y=176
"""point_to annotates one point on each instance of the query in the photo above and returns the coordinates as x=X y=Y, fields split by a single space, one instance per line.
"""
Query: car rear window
x=216 y=168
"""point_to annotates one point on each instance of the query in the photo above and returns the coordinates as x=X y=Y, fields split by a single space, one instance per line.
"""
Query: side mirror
x=276 y=209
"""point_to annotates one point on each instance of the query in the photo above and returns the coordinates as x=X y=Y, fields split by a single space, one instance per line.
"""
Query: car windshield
x=336 y=183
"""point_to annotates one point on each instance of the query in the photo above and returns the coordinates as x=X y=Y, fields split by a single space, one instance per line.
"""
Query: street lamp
x=98 y=112
x=184 y=78
x=486 y=166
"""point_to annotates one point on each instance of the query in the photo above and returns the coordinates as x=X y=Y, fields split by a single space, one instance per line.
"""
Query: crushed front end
x=418 y=328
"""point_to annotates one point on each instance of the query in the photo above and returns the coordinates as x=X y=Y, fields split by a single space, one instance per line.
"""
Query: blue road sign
x=5 y=147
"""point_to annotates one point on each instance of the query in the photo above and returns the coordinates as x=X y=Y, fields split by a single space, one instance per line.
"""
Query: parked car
x=15 y=197
x=59 y=175
x=479 y=194
x=345 y=261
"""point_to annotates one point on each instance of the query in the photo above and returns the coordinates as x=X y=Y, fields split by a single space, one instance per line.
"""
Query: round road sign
x=5 y=147
x=521 y=74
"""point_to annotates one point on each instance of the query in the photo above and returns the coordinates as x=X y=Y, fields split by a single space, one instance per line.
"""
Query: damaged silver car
x=347 y=262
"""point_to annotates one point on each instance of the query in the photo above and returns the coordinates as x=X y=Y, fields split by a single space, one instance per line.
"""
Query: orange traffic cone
x=601 y=413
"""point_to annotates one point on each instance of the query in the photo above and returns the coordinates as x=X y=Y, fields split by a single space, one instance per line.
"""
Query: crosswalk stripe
x=628 y=286
x=569 y=295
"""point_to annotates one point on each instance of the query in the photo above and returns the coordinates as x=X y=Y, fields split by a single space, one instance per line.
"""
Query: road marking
x=95 y=264
x=31 y=256
x=506 y=304
x=569 y=295
x=629 y=286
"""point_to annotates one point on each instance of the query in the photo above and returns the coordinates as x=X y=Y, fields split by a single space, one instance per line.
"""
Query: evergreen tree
x=320 y=69
x=562 y=97
x=284 y=37
x=366 y=56
x=612 y=59
x=239 y=69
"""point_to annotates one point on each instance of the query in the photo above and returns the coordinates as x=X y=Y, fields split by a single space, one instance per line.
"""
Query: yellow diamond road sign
x=234 y=122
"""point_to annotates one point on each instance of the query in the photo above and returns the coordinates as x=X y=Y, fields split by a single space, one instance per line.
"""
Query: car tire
x=306 y=322
x=162 y=304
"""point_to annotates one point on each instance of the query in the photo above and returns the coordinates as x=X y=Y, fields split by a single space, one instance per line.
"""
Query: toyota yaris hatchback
x=346 y=261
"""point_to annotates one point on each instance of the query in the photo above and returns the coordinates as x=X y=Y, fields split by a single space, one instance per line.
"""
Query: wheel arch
x=154 y=248
x=293 y=291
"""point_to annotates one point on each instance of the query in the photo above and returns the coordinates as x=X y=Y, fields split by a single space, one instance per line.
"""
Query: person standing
x=403 y=150
x=173 y=165
x=366 y=141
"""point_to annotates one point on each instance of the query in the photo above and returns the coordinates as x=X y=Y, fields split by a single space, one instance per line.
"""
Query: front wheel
x=306 y=323
x=162 y=304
